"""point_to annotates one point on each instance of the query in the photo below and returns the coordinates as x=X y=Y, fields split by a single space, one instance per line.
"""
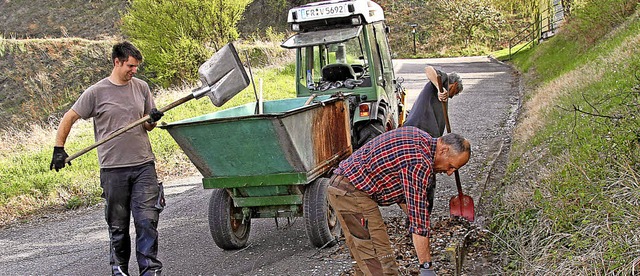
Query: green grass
x=507 y=54
x=27 y=185
x=571 y=199
x=561 y=54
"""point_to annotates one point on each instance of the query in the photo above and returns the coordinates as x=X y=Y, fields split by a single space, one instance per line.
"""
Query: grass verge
x=570 y=203
x=507 y=54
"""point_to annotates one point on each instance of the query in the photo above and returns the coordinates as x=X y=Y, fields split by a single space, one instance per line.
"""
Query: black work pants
x=132 y=190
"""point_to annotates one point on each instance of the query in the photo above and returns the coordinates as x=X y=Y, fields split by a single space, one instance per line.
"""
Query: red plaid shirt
x=394 y=168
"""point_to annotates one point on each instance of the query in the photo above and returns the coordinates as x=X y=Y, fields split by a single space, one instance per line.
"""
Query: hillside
x=32 y=69
x=95 y=20
x=569 y=202
x=49 y=56
x=41 y=76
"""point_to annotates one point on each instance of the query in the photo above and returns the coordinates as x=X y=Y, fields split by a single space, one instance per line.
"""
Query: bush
x=175 y=37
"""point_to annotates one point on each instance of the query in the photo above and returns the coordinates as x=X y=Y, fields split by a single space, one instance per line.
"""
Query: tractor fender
x=377 y=111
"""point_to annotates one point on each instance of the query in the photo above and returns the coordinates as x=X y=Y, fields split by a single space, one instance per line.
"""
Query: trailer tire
x=320 y=220
x=367 y=132
x=228 y=233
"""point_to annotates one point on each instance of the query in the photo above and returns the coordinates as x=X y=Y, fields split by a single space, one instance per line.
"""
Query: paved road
x=76 y=243
x=484 y=113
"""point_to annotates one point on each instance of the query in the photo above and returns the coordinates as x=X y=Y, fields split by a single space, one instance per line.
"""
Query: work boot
x=427 y=272
x=118 y=270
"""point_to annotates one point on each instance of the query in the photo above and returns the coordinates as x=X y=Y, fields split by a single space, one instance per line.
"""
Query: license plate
x=324 y=11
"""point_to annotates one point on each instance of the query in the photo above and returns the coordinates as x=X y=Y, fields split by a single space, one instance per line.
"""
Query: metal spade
x=460 y=205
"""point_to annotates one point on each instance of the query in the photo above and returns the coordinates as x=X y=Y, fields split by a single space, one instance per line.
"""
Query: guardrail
x=542 y=28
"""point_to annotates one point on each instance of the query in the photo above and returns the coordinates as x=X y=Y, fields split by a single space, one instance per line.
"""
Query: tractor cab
x=341 y=46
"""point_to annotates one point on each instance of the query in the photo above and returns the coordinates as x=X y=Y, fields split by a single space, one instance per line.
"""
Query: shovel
x=222 y=77
x=460 y=205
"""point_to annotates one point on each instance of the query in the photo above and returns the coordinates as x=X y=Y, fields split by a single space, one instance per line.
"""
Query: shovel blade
x=462 y=206
x=222 y=76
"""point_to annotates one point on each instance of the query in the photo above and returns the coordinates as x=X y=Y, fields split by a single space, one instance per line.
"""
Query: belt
x=342 y=183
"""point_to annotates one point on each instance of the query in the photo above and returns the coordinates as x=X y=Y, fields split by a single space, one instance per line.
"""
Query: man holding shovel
x=393 y=168
x=127 y=169
x=430 y=114
x=427 y=113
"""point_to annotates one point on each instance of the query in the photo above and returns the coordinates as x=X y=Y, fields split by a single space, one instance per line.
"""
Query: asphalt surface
x=76 y=242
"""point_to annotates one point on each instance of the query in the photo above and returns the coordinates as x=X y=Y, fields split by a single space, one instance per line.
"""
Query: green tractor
x=342 y=48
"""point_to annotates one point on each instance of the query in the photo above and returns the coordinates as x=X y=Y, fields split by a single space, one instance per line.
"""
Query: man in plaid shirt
x=393 y=168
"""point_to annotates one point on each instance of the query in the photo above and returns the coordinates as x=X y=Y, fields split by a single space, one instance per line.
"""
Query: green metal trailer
x=268 y=165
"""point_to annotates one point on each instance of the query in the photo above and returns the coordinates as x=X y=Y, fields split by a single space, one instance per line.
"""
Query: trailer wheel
x=367 y=132
x=320 y=220
x=228 y=232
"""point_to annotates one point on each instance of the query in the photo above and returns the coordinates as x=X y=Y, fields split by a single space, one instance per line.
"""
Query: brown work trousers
x=363 y=228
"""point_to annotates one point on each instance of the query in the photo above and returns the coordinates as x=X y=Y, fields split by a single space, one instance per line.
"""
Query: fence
x=545 y=26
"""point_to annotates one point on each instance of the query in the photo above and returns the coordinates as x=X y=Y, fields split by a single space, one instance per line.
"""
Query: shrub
x=175 y=37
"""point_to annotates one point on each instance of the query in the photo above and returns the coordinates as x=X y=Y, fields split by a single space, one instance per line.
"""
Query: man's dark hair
x=123 y=50
x=457 y=143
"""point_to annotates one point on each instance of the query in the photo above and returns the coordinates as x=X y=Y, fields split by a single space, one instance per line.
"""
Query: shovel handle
x=458 y=185
x=127 y=128
x=444 y=105
x=313 y=96
x=176 y=103
x=446 y=120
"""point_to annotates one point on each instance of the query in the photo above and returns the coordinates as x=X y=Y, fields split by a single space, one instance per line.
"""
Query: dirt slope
x=94 y=20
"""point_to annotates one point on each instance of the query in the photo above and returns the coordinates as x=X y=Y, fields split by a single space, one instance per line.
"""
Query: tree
x=176 y=36
x=527 y=8
x=473 y=19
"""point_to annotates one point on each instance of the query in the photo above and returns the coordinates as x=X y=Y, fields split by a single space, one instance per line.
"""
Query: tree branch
x=577 y=109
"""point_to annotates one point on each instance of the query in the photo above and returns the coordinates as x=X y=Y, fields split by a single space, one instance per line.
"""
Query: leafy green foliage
x=474 y=21
x=447 y=27
x=176 y=36
x=523 y=7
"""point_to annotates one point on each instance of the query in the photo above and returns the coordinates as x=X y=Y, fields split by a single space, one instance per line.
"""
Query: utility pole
x=413 y=31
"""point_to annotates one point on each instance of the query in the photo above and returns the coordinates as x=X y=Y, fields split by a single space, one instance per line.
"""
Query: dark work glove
x=160 y=203
x=155 y=115
x=59 y=155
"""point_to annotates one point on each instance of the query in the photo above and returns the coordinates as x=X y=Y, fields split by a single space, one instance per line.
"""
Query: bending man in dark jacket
x=427 y=113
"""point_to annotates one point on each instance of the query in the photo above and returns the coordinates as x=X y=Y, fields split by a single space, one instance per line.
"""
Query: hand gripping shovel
x=460 y=205
x=222 y=77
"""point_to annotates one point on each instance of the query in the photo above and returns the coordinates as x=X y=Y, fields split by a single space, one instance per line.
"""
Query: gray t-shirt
x=113 y=107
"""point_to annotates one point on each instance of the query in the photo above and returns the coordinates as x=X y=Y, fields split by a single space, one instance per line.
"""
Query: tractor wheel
x=227 y=227
x=368 y=131
x=320 y=220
